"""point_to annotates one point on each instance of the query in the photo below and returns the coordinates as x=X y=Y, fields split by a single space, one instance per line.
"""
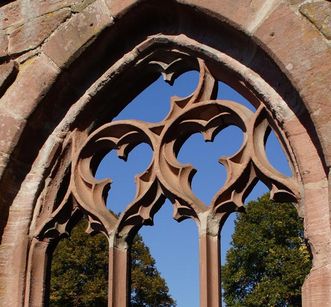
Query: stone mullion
x=210 y=277
x=118 y=277
x=38 y=270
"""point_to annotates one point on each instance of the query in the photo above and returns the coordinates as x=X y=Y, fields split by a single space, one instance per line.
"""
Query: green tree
x=268 y=259
x=148 y=288
x=79 y=273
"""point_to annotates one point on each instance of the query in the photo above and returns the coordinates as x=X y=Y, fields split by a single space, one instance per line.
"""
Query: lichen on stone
x=319 y=14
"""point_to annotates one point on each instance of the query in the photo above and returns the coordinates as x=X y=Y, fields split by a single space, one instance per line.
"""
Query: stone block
x=19 y=12
x=317 y=287
x=31 y=34
x=10 y=15
x=317 y=215
x=9 y=131
x=243 y=14
x=72 y=37
x=305 y=58
x=7 y=70
x=119 y=7
x=32 y=83
x=81 y=5
x=308 y=160
x=319 y=13
x=295 y=45
x=3 y=44
x=295 y=2
x=42 y=7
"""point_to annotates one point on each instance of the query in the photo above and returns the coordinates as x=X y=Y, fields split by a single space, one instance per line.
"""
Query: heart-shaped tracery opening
x=204 y=157
x=123 y=175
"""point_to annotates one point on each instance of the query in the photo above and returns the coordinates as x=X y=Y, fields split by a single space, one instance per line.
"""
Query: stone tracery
x=286 y=65
x=166 y=177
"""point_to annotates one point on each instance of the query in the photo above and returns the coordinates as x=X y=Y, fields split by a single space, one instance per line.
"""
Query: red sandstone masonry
x=71 y=39
x=31 y=34
x=303 y=55
x=29 y=24
x=19 y=12
x=297 y=47
x=10 y=15
x=238 y=13
x=318 y=281
x=293 y=42
x=3 y=44
x=310 y=165
x=319 y=13
x=32 y=83
x=9 y=131
x=118 y=8
x=6 y=71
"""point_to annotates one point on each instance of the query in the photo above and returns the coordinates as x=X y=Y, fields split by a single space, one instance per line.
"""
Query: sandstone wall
x=57 y=55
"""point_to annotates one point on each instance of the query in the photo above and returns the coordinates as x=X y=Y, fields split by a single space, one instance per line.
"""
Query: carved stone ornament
x=165 y=176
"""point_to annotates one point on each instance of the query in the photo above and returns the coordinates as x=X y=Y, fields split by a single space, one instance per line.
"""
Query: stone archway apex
x=51 y=46
x=46 y=38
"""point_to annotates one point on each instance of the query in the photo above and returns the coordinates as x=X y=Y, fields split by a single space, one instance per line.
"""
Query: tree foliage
x=148 y=288
x=79 y=273
x=268 y=259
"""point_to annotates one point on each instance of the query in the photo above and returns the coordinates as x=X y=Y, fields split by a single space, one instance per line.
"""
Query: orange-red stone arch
x=49 y=87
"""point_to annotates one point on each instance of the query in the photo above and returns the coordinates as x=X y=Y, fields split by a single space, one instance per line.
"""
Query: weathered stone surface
x=294 y=44
x=72 y=37
x=7 y=70
x=308 y=160
x=294 y=2
x=317 y=287
x=3 y=44
x=9 y=131
x=19 y=12
x=10 y=15
x=80 y=5
x=41 y=7
x=33 y=80
x=289 y=39
x=319 y=13
x=119 y=7
x=245 y=14
x=31 y=34
x=304 y=57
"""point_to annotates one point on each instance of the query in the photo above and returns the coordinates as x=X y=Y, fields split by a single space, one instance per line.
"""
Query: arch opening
x=84 y=114
x=122 y=131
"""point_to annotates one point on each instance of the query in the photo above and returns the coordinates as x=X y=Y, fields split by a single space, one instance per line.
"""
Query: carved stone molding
x=165 y=177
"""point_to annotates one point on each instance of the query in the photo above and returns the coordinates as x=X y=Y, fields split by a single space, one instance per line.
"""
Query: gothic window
x=167 y=178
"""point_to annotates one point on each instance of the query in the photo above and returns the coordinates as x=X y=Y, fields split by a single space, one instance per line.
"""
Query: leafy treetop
x=79 y=273
x=268 y=259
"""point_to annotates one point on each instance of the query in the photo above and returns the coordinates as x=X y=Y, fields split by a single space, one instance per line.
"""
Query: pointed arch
x=91 y=77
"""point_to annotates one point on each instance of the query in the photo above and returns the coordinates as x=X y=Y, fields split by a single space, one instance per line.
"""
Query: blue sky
x=174 y=245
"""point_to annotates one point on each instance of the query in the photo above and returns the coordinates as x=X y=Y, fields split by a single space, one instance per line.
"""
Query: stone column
x=118 y=276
